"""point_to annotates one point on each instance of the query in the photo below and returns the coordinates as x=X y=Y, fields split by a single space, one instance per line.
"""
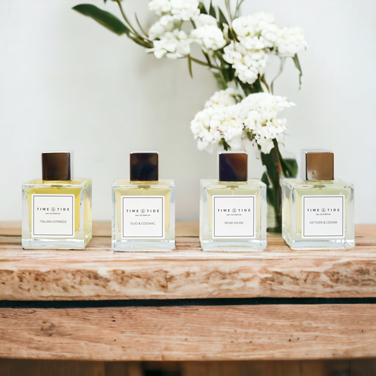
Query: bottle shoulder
x=215 y=184
x=39 y=183
x=329 y=184
x=163 y=183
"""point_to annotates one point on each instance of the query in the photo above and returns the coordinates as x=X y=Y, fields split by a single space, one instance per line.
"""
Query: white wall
x=67 y=83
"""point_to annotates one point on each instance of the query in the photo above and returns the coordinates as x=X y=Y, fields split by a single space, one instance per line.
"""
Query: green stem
x=277 y=188
x=203 y=63
x=126 y=19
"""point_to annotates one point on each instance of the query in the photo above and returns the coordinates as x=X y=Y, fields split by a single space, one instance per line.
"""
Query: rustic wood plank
x=99 y=274
x=190 y=333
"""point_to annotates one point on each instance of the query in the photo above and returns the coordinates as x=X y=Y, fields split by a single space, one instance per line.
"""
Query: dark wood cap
x=233 y=166
x=319 y=166
x=144 y=166
x=56 y=165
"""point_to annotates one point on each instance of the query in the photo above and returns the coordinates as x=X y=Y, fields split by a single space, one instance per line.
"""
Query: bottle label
x=52 y=216
x=234 y=217
x=323 y=216
x=142 y=217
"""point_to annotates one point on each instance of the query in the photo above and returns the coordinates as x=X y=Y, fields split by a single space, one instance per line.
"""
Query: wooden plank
x=282 y=332
x=99 y=274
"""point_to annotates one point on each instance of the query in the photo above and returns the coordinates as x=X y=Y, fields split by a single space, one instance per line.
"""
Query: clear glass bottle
x=318 y=210
x=233 y=208
x=143 y=208
x=56 y=209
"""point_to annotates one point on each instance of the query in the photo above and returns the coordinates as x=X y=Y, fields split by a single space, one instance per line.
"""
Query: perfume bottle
x=143 y=208
x=232 y=208
x=56 y=208
x=317 y=210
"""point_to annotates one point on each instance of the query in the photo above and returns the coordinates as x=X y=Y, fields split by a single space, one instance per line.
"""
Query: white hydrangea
x=173 y=45
x=257 y=114
x=252 y=26
x=204 y=19
x=207 y=136
x=165 y=24
x=290 y=41
x=229 y=126
x=270 y=34
x=248 y=64
x=213 y=124
x=183 y=9
x=260 y=113
x=210 y=37
x=223 y=98
x=160 y=7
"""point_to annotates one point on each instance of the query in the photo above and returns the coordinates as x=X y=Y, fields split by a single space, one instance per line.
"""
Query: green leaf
x=220 y=81
x=264 y=179
x=202 y=8
x=299 y=68
x=106 y=19
x=190 y=65
x=212 y=10
x=225 y=145
x=271 y=196
x=289 y=167
x=249 y=135
x=268 y=161
x=222 y=19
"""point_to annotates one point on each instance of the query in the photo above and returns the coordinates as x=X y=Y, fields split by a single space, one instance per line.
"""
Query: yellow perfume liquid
x=329 y=223
x=143 y=215
x=239 y=208
x=56 y=208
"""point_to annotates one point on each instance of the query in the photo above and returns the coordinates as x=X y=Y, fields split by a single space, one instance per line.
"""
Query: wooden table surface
x=243 y=330
x=186 y=273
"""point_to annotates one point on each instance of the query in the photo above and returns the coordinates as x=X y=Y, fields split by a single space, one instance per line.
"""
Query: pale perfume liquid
x=81 y=190
x=210 y=189
x=163 y=189
x=293 y=193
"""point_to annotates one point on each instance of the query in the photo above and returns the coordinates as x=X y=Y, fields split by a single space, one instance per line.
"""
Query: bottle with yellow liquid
x=233 y=208
x=318 y=210
x=56 y=208
x=143 y=208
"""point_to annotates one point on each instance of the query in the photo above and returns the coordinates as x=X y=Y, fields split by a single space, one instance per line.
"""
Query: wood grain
x=190 y=333
x=99 y=274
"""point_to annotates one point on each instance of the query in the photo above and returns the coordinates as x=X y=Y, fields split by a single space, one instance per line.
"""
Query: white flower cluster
x=170 y=41
x=257 y=37
x=224 y=120
x=182 y=9
x=290 y=41
x=207 y=33
x=174 y=44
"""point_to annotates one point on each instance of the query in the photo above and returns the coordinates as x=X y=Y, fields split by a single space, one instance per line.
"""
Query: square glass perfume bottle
x=233 y=208
x=317 y=210
x=57 y=208
x=143 y=208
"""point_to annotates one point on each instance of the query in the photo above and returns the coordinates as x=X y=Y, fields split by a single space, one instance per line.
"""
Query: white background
x=68 y=83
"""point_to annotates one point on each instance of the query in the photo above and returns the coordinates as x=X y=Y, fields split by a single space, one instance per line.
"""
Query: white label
x=234 y=216
x=323 y=217
x=142 y=217
x=53 y=216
